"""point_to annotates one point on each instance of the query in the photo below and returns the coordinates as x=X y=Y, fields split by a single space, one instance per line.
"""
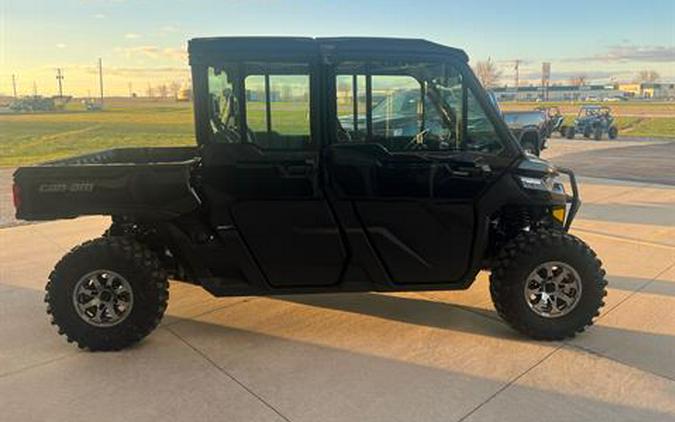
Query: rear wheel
x=597 y=133
x=107 y=294
x=569 y=134
x=588 y=131
x=548 y=284
x=613 y=132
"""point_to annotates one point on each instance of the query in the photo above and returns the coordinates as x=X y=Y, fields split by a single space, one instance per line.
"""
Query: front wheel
x=570 y=132
x=613 y=132
x=548 y=284
x=107 y=294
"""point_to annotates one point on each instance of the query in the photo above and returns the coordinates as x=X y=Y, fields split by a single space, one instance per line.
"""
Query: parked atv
x=593 y=121
x=300 y=183
x=554 y=120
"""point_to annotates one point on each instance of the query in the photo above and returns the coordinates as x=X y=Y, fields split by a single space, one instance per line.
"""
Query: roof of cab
x=203 y=50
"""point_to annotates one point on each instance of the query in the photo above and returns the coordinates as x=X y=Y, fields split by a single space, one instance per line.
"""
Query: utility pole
x=130 y=90
x=545 y=79
x=517 y=68
x=34 y=89
x=59 y=78
x=100 y=78
x=14 y=84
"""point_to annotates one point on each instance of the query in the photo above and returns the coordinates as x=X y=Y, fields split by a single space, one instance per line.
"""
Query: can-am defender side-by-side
x=305 y=180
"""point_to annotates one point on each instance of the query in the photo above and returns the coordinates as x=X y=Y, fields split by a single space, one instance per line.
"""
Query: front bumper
x=573 y=200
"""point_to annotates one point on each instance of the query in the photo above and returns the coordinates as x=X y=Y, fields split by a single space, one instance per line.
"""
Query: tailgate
x=154 y=190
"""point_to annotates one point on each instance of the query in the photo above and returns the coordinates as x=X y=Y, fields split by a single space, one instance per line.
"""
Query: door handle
x=475 y=170
x=296 y=169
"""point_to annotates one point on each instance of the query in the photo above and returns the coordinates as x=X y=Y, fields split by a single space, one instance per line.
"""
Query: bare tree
x=487 y=73
x=163 y=90
x=647 y=76
x=579 y=80
x=150 y=92
x=174 y=88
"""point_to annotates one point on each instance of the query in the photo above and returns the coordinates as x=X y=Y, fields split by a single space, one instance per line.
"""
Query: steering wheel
x=417 y=142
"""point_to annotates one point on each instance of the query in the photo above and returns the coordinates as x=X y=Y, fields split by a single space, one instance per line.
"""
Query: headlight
x=545 y=184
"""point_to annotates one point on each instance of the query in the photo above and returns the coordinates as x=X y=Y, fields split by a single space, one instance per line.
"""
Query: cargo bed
x=146 y=182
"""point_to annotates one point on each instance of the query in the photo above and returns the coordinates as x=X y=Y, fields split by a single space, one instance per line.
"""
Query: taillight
x=16 y=194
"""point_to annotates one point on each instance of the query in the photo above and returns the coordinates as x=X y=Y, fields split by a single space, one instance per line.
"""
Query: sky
x=143 y=42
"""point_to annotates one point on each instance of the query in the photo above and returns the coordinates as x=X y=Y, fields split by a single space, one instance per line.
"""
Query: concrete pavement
x=391 y=357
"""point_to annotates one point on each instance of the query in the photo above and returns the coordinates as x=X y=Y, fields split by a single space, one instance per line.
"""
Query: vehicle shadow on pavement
x=645 y=350
x=410 y=310
x=449 y=316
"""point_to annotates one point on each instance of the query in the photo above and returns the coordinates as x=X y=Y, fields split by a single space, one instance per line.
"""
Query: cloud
x=154 y=52
x=99 y=16
x=61 y=45
x=632 y=53
x=131 y=35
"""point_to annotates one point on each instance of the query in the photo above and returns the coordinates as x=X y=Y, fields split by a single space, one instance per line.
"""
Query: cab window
x=276 y=105
x=410 y=106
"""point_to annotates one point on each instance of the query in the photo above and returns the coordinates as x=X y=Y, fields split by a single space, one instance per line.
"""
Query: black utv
x=303 y=181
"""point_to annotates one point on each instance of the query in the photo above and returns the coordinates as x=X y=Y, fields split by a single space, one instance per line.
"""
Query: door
x=261 y=171
x=413 y=151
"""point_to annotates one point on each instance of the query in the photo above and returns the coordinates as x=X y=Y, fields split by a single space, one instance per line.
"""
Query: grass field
x=33 y=138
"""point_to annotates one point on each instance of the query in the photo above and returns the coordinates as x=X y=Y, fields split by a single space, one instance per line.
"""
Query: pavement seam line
x=37 y=365
x=227 y=374
x=636 y=291
x=220 y=308
x=511 y=382
x=620 y=362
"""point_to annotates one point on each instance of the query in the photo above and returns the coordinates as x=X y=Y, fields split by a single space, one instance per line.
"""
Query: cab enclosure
x=351 y=164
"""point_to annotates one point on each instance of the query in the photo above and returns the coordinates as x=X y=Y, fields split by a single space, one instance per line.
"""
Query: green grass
x=31 y=138
x=657 y=127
